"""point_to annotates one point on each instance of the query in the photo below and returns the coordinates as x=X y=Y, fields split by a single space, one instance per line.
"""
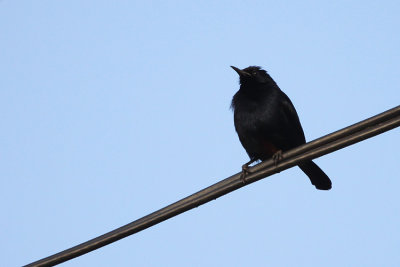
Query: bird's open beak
x=240 y=72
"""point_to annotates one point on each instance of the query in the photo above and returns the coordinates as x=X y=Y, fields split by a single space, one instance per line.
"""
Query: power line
x=337 y=140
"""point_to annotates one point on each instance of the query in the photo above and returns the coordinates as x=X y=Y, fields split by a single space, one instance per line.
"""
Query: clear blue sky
x=113 y=109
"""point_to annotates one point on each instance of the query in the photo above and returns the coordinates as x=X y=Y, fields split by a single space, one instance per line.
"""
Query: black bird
x=267 y=122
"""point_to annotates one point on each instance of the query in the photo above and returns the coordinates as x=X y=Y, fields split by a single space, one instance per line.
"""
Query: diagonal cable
x=337 y=140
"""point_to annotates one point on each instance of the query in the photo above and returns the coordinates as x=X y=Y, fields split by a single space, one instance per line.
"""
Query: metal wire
x=321 y=146
x=372 y=121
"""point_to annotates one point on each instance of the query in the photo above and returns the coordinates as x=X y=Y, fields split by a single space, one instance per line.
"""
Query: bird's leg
x=245 y=170
x=277 y=157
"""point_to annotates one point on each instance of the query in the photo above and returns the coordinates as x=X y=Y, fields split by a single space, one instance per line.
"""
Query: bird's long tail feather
x=316 y=175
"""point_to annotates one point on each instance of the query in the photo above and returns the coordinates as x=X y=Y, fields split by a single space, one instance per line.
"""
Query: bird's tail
x=316 y=175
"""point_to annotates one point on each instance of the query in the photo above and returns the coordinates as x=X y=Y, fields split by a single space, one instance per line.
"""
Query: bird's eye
x=254 y=73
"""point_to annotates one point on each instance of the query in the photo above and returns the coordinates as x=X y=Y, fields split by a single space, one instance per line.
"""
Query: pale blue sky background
x=110 y=110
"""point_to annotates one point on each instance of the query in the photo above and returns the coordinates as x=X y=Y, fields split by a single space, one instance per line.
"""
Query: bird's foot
x=245 y=172
x=277 y=157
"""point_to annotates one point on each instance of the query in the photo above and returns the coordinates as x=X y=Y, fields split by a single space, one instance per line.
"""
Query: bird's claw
x=277 y=157
x=245 y=172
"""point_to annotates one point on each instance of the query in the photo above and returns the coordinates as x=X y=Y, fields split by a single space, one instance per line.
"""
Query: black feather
x=267 y=122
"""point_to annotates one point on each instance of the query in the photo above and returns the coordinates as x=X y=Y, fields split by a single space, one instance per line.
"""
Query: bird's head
x=252 y=75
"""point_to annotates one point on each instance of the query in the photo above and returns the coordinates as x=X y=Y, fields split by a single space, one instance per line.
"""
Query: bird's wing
x=293 y=122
